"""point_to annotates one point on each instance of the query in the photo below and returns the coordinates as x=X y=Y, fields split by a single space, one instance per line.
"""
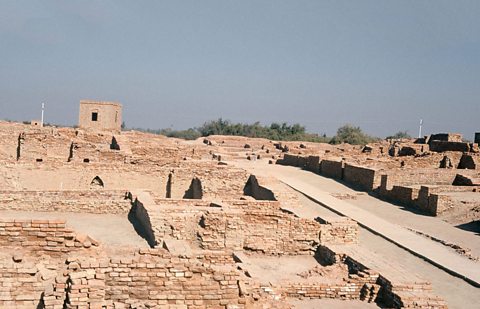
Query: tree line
x=275 y=131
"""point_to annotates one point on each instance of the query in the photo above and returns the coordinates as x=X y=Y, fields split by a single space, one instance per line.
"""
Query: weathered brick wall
x=332 y=169
x=364 y=178
x=338 y=230
x=401 y=194
x=86 y=201
x=153 y=279
x=146 y=278
x=343 y=290
x=217 y=181
x=439 y=203
x=23 y=280
x=271 y=232
x=313 y=164
x=442 y=146
x=47 y=236
x=409 y=177
x=446 y=137
x=289 y=159
x=431 y=199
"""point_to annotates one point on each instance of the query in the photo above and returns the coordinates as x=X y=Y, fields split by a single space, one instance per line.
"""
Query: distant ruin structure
x=100 y=115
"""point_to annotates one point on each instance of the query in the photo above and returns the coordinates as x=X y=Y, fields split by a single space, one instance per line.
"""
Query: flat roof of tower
x=93 y=102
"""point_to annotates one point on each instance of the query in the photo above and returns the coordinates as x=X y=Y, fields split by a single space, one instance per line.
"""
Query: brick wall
x=338 y=230
x=85 y=201
x=442 y=146
x=367 y=179
x=332 y=169
x=51 y=237
x=152 y=279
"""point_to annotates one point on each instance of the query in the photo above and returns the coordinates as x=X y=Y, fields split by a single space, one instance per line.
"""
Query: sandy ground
x=331 y=304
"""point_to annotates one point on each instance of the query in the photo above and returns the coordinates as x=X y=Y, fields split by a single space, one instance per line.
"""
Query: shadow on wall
x=139 y=227
x=253 y=189
x=168 y=193
x=472 y=226
x=195 y=190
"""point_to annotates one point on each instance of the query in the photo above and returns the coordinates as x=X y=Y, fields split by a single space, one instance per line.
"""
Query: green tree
x=351 y=135
x=399 y=135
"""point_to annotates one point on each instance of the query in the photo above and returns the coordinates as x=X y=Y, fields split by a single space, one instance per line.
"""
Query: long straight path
x=425 y=248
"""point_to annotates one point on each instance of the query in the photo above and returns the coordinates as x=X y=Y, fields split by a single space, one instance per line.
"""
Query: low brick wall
x=441 y=146
x=21 y=282
x=156 y=280
x=310 y=163
x=404 y=195
x=345 y=291
x=332 y=169
x=270 y=232
x=290 y=160
x=148 y=278
x=273 y=232
x=42 y=236
x=409 y=177
x=313 y=164
x=367 y=179
x=338 y=230
x=84 y=201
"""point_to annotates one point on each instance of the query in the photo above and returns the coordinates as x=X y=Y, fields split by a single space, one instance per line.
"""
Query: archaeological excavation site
x=99 y=217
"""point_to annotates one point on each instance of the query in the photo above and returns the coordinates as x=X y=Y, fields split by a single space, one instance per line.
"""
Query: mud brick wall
x=431 y=200
x=154 y=280
x=410 y=295
x=446 y=137
x=259 y=205
x=42 y=236
x=302 y=161
x=290 y=160
x=332 y=169
x=216 y=257
x=271 y=232
x=23 y=281
x=313 y=164
x=409 y=177
x=168 y=221
x=441 y=146
x=81 y=151
x=439 y=203
x=344 y=290
x=367 y=179
x=171 y=202
x=45 y=144
x=217 y=181
x=338 y=231
x=401 y=194
x=88 y=201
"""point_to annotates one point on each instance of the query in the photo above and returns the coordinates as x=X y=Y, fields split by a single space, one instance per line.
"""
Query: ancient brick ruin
x=200 y=231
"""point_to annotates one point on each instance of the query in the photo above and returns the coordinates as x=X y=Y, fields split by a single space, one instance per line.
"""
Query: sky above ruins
x=381 y=65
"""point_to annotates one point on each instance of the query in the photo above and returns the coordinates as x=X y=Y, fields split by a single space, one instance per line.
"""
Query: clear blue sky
x=381 y=65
